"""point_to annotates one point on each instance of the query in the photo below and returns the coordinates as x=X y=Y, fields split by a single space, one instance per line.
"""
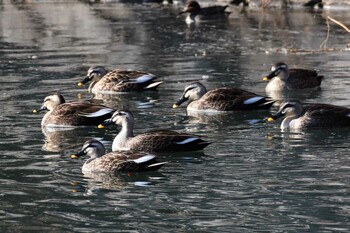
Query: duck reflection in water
x=59 y=140
x=116 y=181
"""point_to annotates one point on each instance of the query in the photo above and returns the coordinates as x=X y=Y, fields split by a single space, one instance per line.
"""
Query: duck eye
x=93 y=72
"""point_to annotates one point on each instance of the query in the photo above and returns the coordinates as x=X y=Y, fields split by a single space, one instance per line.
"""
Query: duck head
x=280 y=70
x=94 y=74
x=192 y=92
x=51 y=101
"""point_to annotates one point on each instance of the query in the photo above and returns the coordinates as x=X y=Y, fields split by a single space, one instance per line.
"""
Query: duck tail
x=148 y=163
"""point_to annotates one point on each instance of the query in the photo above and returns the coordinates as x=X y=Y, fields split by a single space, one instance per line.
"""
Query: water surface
x=252 y=177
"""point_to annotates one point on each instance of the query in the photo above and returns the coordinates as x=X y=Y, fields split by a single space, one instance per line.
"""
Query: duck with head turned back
x=152 y=141
x=71 y=114
x=198 y=13
x=221 y=99
x=298 y=116
x=118 y=80
x=113 y=162
x=281 y=78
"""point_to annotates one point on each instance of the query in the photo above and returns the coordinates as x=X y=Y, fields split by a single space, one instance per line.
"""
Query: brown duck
x=311 y=116
x=152 y=141
x=118 y=80
x=281 y=78
x=221 y=99
x=113 y=162
x=71 y=114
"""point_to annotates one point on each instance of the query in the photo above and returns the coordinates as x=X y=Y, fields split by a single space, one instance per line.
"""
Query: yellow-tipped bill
x=265 y=78
x=175 y=106
x=270 y=119
x=74 y=156
x=80 y=84
x=100 y=126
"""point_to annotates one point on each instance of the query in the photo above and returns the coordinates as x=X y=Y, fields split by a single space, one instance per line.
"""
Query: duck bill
x=270 y=76
x=275 y=117
x=180 y=101
x=105 y=123
x=40 y=109
x=77 y=155
x=85 y=80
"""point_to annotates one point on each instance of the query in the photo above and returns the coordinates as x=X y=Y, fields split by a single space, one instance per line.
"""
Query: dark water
x=252 y=178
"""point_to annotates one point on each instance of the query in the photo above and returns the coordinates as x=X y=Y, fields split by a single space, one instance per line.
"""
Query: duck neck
x=120 y=141
x=286 y=122
x=276 y=84
x=45 y=117
x=92 y=84
x=190 y=18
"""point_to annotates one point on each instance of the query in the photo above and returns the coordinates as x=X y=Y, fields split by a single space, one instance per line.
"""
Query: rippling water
x=251 y=178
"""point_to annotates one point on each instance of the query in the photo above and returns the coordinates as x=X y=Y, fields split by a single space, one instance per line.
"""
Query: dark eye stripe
x=288 y=106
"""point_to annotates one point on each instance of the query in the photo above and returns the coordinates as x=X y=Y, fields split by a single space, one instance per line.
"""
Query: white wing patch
x=152 y=85
x=101 y=112
x=144 y=78
x=144 y=159
x=348 y=115
x=188 y=140
x=253 y=100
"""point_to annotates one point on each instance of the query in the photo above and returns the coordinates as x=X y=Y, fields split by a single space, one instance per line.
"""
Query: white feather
x=157 y=164
x=144 y=159
x=101 y=112
x=152 y=85
x=144 y=78
x=348 y=115
x=253 y=100
x=188 y=140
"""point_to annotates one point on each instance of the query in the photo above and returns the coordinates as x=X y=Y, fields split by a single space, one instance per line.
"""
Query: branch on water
x=323 y=45
x=339 y=23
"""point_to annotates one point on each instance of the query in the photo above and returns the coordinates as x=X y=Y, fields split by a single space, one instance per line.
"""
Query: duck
x=158 y=141
x=71 y=114
x=118 y=80
x=237 y=2
x=198 y=13
x=281 y=78
x=114 y=162
x=313 y=3
x=221 y=99
x=314 y=115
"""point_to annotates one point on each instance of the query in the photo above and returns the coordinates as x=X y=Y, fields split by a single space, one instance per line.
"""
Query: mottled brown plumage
x=119 y=80
x=152 y=141
x=221 y=99
x=312 y=116
x=73 y=113
x=125 y=161
x=281 y=78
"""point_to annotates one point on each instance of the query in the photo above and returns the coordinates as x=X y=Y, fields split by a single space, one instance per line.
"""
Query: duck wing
x=81 y=113
x=326 y=115
x=126 y=80
x=301 y=78
x=167 y=141
x=124 y=162
x=213 y=10
x=231 y=99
